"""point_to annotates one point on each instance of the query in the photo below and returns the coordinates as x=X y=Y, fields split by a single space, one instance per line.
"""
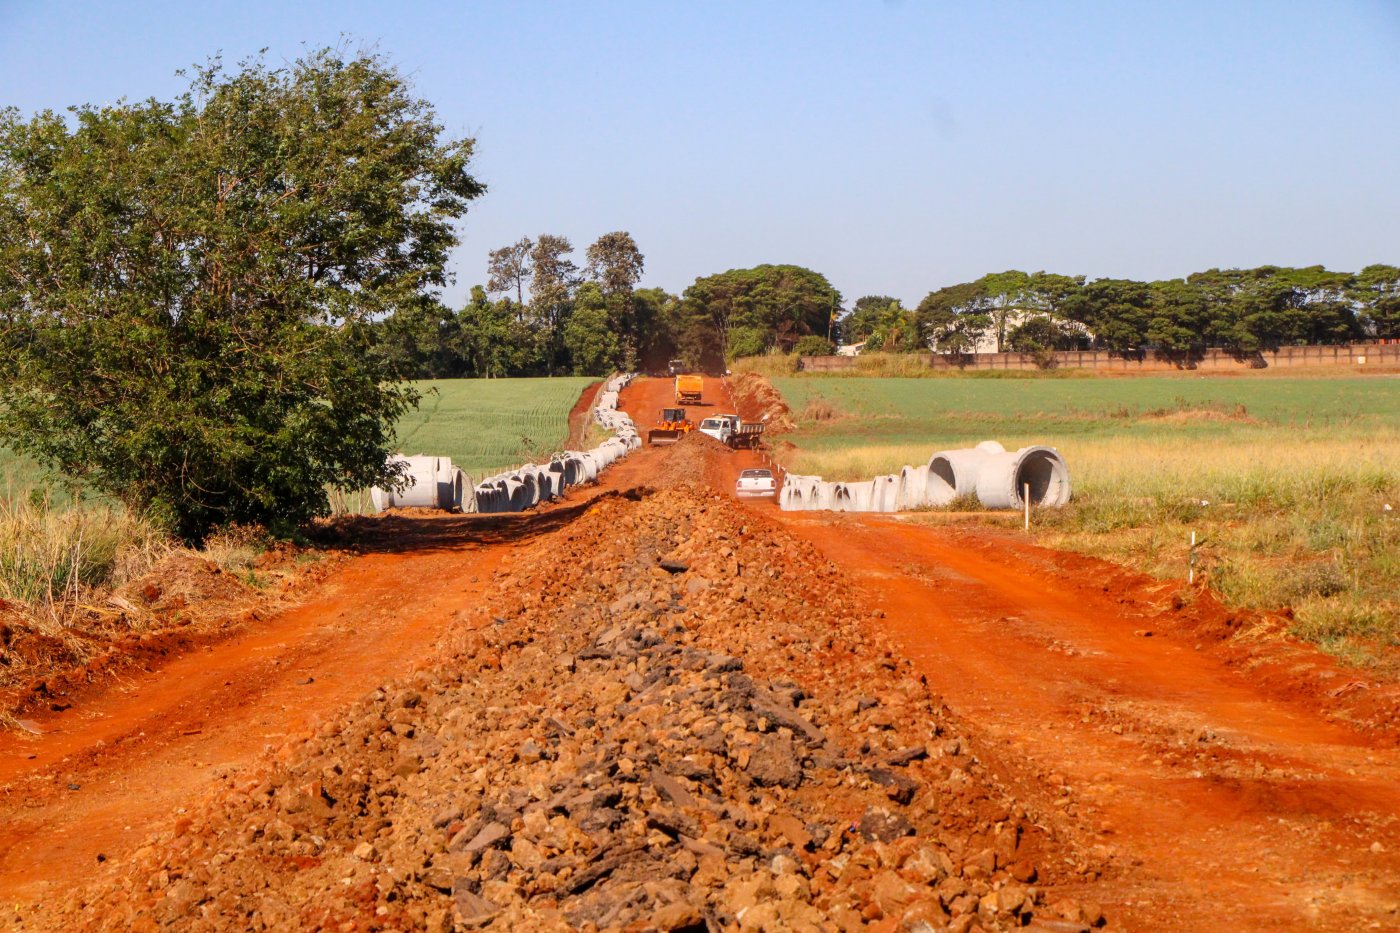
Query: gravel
x=651 y=725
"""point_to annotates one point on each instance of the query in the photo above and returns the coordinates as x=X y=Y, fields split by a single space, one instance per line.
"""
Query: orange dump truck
x=689 y=389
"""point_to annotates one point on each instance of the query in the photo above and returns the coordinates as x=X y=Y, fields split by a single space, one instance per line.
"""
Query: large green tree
x=187 y=286
x=551 y=296
x=767 y=307
x=865 y=314
x=592 y=340
x=1376 y=289
x=616 y=265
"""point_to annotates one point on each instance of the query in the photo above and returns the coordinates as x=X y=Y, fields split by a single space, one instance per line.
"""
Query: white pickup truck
x=756 y=483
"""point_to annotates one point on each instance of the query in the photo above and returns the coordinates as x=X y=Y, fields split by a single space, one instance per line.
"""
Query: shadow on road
x=407 y=531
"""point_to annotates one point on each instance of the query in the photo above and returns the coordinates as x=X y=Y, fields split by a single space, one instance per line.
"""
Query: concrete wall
x=1355 y=355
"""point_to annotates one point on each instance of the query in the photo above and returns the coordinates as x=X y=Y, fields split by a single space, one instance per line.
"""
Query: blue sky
x=895 y=147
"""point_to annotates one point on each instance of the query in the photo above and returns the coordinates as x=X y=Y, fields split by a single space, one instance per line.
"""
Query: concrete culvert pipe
x=913 y=488
x=798 y=492
x=859 y=496
x=840 y=498
x=1004 y=476
x=953 y=473
x=884 y=494
x=430 y=483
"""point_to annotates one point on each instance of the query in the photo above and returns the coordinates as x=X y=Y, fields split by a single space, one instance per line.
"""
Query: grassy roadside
x=65 y=557
x=1284 y=480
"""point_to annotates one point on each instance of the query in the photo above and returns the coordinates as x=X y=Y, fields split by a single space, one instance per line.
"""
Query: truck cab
x=720 y=427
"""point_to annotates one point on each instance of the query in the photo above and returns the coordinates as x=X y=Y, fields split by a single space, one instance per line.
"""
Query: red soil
x=1206 y=782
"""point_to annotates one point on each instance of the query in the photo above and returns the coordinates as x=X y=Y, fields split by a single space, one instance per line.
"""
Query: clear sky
x=895 y=147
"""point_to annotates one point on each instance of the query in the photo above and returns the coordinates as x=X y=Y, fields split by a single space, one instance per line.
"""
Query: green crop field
x=484 y=425
x=1285 y=479
x=487 y=425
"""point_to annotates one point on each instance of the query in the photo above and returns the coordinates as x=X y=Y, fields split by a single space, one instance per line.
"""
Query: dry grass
x=819 y=409
x=1287 y=517
x=50 y=559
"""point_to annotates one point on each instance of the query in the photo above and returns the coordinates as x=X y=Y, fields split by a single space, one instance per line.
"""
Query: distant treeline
x=1243 y=310
x=540 y=313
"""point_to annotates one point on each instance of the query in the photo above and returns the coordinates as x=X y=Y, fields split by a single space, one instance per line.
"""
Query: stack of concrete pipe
x=996 y=476
x=430 y=483
x=526 y=486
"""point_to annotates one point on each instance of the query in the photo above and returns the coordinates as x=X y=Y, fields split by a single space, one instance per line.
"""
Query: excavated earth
x=662 y=718
x=652 y=706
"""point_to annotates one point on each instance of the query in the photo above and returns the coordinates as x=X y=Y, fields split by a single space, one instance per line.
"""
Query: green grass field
x=487 y=425
x=1284 y=479
x=484 y=425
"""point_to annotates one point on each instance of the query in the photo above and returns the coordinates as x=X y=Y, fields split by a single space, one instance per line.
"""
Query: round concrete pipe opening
x=517 y=495
x=1045 y=472
x=942 y=484
x=840 y=498
x=1003 y=478
x=449 y=490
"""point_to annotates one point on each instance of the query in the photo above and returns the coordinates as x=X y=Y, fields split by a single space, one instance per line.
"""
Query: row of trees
x=1244 y=310
x=552 y=316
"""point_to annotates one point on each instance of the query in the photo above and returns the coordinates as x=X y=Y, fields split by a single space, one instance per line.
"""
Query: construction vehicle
x=733 y=431
x=718 y=427
x=689 y=389
x=747 y=434
x=670 y=427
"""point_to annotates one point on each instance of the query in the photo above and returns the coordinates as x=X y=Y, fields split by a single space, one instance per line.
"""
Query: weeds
x=1284 y=481
x=819 y=409
x=49 y=558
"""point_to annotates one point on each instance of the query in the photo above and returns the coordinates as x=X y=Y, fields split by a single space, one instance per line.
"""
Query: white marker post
x=1027 y=499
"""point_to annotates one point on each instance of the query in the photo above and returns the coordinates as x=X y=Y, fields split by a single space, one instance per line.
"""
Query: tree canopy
x=187 y=287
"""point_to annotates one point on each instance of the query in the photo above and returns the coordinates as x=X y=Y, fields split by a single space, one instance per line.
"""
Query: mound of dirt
x=757 y=400
x=651 y=726
x=185 y=599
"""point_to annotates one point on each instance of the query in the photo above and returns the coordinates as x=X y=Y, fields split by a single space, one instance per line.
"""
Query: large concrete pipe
x=884 y=494
x=858 y=496
x=913 y=488
x=1004 y=477
x=798 y=492
x=430 y=483
x=953 y=473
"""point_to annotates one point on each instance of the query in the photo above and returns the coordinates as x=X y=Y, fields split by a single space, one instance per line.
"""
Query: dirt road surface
x=1211 y=801
x=1179 y=791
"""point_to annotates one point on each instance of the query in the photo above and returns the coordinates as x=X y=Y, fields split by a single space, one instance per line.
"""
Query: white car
x=756 y=483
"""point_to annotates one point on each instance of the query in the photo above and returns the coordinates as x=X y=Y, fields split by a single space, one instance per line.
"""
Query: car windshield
x=711 y=423
x=756 y=474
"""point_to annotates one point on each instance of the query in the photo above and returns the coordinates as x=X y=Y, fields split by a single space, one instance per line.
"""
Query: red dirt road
x=1190 y=794
x=119 y=764
x=1195 y=793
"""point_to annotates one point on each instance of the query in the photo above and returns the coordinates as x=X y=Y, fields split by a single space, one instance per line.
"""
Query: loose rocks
x=699 y=762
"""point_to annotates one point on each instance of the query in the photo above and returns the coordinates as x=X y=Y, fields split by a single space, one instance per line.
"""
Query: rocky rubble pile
x=673 y=717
